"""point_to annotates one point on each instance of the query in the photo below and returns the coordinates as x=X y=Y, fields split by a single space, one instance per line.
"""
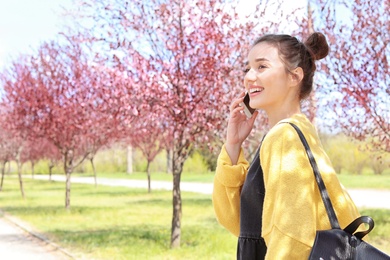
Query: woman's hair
x=295 y=54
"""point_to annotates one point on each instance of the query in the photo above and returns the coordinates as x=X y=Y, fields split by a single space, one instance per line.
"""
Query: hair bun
x=317 y=45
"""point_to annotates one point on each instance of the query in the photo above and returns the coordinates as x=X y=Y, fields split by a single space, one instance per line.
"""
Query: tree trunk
x=51 y=166
x=177 y=211
x=2 y=175
x=67 y=192
x=129 y=159
x=68 y=167
x=19 y=166
x=32 y=169
x=148 y=173
x=179 y=156
x=94 y=170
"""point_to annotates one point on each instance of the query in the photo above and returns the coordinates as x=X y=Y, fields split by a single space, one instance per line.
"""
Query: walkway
x=363 y=198
x=18 y=242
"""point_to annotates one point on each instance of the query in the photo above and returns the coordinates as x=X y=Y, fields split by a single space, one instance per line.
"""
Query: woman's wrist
x=233 y=150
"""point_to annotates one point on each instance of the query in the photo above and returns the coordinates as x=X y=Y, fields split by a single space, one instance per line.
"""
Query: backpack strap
x=321 y=186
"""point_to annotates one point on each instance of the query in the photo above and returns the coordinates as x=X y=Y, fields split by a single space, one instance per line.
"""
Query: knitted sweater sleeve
x=228 y=182
x=289 y=213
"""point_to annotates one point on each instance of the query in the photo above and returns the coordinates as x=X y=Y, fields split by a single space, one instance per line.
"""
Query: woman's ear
x=296 y=76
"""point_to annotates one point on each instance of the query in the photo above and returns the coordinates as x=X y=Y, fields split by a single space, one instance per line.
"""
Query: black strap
x=351 y=228
x=324 y=193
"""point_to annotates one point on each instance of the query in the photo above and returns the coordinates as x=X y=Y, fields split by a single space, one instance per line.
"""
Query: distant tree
x=59 y=95
x=379 y=162
x=52 y=154
x=357 y=159
x=8 y=148
x=118 y=104
x=335 y=146
x=38 y=149
x=149 y=134
x=13 y=141
x=210 y=154
x=16 y=144
x=32 y=152
x=358 y=92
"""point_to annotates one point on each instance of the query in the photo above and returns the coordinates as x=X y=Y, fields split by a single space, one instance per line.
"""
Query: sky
x=24 y=24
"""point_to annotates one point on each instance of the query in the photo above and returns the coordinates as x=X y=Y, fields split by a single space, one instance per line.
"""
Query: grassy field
x=118 y=223
x=123 y=223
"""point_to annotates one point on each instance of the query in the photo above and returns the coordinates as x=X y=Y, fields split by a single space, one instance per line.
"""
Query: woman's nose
x=250 y=75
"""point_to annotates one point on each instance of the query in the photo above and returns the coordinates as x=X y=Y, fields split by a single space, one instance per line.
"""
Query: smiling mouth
x=255 y=90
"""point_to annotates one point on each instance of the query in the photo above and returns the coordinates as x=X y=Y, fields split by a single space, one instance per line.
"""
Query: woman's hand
x=239 y=127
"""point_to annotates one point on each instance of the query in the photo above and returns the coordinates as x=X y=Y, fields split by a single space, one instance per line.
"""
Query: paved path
x=18 y=244
x=363 y=198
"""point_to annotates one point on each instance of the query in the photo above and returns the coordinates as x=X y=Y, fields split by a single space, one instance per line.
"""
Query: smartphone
x=247 y=108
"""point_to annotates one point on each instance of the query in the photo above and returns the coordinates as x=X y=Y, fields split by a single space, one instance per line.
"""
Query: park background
x=158 y=77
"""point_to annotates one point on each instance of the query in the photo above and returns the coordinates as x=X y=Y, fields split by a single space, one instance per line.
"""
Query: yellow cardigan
x=293 y=209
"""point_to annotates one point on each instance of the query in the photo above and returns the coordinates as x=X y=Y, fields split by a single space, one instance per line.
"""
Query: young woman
x=274 y=205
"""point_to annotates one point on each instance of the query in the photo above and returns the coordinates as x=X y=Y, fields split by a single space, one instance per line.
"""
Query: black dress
x=250 y=243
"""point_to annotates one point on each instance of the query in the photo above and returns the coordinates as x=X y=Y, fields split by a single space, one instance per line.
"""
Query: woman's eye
x=245 y=70
x=262 y=67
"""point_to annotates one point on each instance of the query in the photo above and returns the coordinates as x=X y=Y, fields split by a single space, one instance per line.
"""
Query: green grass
x=379 y=236
x=365 y=181
x=122 y=223
x=119 y=223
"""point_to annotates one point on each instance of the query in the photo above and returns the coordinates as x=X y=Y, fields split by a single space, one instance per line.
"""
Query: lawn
x=118 y=223
x=122 y=223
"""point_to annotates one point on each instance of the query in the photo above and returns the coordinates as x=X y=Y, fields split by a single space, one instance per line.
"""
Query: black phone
x=248 y=110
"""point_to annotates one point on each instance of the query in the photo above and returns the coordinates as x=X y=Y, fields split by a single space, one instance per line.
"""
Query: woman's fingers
x=237 y=102
x=238 y=111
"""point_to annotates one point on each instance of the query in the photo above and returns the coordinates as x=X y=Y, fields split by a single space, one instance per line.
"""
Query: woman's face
x=266 y=78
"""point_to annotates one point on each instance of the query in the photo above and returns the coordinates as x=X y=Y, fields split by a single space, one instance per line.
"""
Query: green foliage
x=108 y=160
x=159 y=164
x=114 y=160
x=195 y=164
x=354 y=157
x=380 y=163
x=42 y=167
x=347 y=156
x=334 y=151
x=379 y=236
x=211 y=156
